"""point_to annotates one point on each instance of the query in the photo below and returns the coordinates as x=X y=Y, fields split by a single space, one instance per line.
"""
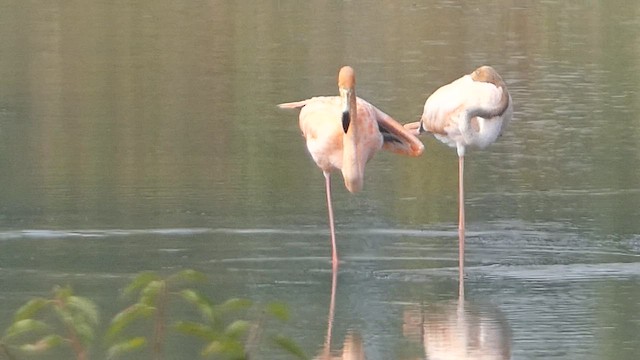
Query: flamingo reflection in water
x=469 y=112
x=344 y=132
x=459 y=330
x=353 y=347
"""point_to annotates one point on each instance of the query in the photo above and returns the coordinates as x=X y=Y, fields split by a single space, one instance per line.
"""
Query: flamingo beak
x=346 y=120
x=346 y=109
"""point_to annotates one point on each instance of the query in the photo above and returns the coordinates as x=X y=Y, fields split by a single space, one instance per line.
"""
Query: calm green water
x=144 y=136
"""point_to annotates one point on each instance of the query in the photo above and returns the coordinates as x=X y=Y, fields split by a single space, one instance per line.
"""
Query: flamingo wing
x=396 y=138
x=463 y=96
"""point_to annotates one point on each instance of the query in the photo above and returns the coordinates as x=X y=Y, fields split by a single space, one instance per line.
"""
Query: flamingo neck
x=488 y=75
x=352 y=164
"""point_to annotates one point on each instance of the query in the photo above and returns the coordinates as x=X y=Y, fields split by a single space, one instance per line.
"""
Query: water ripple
x=60 y=234
x=564 y=272
x=104 y=233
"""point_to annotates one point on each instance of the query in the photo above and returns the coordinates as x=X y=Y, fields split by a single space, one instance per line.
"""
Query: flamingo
x=344 y=132
x=472 y=111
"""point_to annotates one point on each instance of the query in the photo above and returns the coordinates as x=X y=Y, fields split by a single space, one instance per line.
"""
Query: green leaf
x=139 y=282
x=188 y=275
x=24 y=326
x=234 y=304
x=278 y=310
x=126 y=317
x=31 y=308
x=289 y=346
x=84 y=331
x=126 y=346
x=195 y=329
x=52 y=341
x=215 y=347
x=149 y=294
x=195 y=297
x=237 y=328
x=62 y=293
x=42 y=345
x=85 y=307
x=204 y=305
x=230 y=348
x=63 y=313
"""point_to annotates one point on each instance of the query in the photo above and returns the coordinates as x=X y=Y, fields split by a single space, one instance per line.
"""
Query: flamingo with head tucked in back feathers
x=344 y=132
x=469 y=112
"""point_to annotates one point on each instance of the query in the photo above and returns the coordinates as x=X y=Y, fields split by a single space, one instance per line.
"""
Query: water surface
x=144 y=136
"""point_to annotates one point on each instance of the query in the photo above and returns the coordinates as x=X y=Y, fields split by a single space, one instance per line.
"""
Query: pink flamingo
x=344 y=132
x=469 y=112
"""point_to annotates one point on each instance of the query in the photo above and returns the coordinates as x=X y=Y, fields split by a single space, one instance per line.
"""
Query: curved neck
x=488 y=75
x=493 y=111
x=352 y=163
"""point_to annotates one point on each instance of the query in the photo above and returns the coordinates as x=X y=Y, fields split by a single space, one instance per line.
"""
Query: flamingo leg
x=334 y=250
x=461 y=223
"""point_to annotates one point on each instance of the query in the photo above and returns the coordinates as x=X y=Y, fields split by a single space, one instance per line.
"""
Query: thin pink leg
x=461 y=225
x=334 y=250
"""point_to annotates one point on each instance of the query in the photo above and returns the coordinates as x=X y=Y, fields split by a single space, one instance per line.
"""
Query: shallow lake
x=144 y=136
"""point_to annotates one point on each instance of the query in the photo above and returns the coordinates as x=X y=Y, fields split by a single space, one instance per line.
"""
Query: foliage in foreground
x=234 y=329
x=42 y=324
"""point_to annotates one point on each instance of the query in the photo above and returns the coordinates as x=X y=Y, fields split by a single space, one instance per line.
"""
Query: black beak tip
x=346 y=120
